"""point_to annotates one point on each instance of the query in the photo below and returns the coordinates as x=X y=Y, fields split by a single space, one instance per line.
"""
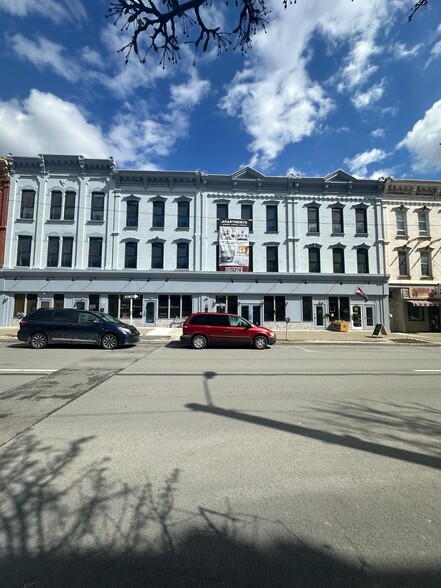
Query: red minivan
x=204 y=328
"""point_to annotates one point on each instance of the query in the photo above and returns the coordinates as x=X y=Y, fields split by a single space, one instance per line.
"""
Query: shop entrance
x=434 y=319
x=319 y=316
x=150 y=313
x=362 y=317
x=251 y=312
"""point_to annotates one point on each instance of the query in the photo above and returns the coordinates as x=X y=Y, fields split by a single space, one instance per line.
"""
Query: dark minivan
x=75 y=327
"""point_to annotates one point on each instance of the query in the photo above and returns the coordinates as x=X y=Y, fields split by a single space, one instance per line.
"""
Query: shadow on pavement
x=64 y=527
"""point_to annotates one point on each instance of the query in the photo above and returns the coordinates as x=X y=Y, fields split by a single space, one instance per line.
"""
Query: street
x=299 y=465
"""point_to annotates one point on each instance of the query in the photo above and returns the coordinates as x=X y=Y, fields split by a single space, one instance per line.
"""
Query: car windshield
x=107 y=318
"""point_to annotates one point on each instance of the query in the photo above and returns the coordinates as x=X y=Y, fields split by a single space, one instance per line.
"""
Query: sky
x=345 y=84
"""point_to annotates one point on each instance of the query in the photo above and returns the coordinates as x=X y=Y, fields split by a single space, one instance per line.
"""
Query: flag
x=360 y=292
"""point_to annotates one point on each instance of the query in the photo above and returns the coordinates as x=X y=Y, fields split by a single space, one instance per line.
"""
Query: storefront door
x=434 y=319
x=319 y=316
x=357 y=316
x=251 y=312
x=150 y=313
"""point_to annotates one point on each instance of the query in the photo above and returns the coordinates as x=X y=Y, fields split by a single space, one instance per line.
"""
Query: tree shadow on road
x=61 y=526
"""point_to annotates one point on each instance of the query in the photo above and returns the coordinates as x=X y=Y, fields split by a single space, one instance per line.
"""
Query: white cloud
x=55 y=10
x=436 y=49
x=44 y=123
x=45 y=53
x=274 y=96
x=378 y=133
x=423 y=141
x=400 y=50
x=358 y=164
x=367 y=99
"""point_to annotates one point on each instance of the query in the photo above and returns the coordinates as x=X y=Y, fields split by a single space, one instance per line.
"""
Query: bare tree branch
x=164 y=25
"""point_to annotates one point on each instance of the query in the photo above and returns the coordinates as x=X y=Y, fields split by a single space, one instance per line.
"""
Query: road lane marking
x=25 y=371
x=427 y=370
x=304 y=349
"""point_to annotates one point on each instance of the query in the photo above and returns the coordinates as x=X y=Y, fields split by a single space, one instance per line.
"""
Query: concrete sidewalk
x=166 y=335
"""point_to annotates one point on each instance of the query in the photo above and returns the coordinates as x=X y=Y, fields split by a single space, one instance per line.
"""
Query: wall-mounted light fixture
x=305 y=282
x=256 y=280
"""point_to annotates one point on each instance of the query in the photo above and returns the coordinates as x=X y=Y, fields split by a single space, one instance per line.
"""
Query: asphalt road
x=164 y=466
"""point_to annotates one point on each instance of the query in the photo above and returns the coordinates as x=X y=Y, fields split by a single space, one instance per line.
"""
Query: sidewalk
x=165 y=335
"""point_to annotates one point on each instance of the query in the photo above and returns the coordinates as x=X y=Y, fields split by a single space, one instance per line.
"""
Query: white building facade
x=143 y=245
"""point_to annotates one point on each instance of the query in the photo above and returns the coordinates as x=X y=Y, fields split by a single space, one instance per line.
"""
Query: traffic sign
x=131 y=296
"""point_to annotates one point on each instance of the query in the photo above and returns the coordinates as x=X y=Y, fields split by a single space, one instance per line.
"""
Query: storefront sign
x=233 y=245
x=423 y=292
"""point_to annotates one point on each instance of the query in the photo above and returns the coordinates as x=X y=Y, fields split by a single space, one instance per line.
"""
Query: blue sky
x=339 y=84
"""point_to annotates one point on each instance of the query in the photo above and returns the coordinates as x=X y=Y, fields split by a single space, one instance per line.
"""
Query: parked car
x=78 y=327
x=204 y=328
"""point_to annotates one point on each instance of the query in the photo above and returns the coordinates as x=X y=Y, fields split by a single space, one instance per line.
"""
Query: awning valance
x=424 y=302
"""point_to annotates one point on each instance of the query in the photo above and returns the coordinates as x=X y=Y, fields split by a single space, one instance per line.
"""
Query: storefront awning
x=424 y=302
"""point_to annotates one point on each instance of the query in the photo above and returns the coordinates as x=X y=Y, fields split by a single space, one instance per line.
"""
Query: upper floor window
x=183 y=214
x=272 y=259
x=27 y=204
x=362 y=261
x=67 y=252
x=157 y=255
x=56 y=200
x=69 y=205
x=338 y=260
x=158 y=214
x=271 y=218
x=426 y=264
x=400 y=219
x=53 y=251
x=246 y=213
x=24 y=251
x=95 y=252
x=97 y=209
x=314 y=260
x=221 y=212
x=360 y=221
x=423 y=225
x=403 y=263
x=313 y=219
x=132 y=213
x=182 y=257
x=337 y=220
x=131 y=254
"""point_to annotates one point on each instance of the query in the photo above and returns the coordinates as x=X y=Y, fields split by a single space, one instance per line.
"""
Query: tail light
x=22 y=323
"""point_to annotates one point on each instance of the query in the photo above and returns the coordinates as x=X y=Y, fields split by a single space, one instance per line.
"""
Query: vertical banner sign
x=233 y=245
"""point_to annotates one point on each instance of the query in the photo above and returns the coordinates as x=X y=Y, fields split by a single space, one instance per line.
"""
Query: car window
x=65 y=315
x=199 y=319
x=237 y=321
x=41 y=314
x=219 y=320
x=86 y=318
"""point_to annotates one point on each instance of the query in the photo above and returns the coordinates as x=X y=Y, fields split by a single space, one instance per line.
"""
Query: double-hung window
x=314 y=260
x=338 y=259
x=403 y=263
x=27 y=204
x=24 y=251
x=400 y=219
x=362 y=261
x=313 y=219
x=337 y=220
x=272 y=259
x=221 y=212
x=53 y=251
x=97 y=210
x=246 y=213
x=271 y=218
x=360 y=221
x=56 y=203
x=131 y=255
x=69 y=205
x=183 y=214
x=182 y=258
x=67 y=252
x=426 y=265
x=157 y=255
x=158 y=214
x=423 y=225
x=132 y=213
x=95 y=252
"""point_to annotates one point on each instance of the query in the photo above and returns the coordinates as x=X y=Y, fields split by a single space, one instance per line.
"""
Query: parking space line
x=25 y=371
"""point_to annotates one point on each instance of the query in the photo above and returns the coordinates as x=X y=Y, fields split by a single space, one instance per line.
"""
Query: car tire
x=199 y=342
x=260 y=342
x=109 y=341
x=38 y=341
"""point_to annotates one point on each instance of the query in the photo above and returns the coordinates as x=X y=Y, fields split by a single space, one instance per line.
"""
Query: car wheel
x=260 y=342
x=199 y=342
x=109 y=341
x=38 y=341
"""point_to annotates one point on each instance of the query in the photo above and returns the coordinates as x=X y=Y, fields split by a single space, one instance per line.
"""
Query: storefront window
x=415 y=313
x=58 y=300
x=94 y=301
x=307 y=308
x=174 y=306
x=274 y=308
